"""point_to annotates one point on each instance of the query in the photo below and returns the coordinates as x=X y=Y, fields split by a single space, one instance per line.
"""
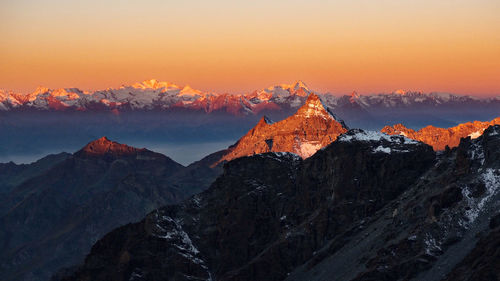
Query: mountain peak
x=189 y=91
x=314 y=107
x=104 y=146
x=310 y=129
x=299 y=84
x=153 y=84
x=40 y=90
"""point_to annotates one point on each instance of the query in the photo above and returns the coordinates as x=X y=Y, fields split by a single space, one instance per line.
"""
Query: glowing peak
x=153 y=84
x=40 y=90
x=188 y=91
x=299 y=84
x=314 y=107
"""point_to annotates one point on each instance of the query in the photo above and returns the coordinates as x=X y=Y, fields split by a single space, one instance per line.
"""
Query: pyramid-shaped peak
x=314 y=107
x=299 y=84
x=103 y=145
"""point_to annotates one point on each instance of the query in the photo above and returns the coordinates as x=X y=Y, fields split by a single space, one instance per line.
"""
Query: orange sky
x=239 y=46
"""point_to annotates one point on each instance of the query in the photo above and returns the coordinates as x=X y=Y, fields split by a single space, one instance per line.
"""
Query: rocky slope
x=367 y=207
x=54 y=213
x=12 y=174
x=311 y=128
x=439 y=138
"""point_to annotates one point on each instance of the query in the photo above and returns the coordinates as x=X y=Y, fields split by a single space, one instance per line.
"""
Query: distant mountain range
x=164 y=115
x=156 y=95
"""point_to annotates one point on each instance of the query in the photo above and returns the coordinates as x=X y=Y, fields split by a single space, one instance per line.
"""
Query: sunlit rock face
x=310 y=129
x=439 y=138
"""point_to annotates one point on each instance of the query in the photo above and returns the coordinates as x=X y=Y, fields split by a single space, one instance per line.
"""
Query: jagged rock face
x=266 y=215
x=430 y=230
x=439 y=138
x=367 y=207
x=51 y=218
x=310 y=129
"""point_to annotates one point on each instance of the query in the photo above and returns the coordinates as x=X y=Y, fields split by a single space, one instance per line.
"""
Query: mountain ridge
x=157 y=95
x=439 y=138
x=54 y=209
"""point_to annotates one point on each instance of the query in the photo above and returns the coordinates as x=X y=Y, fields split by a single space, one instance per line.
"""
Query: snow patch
x=368 y=136
x=491 y=180
x=280 y=156
x=382 y=149
x=476 y=134
x=432 y=247
x=307 y=149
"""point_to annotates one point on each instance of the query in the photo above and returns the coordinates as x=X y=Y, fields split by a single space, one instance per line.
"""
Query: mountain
x=12 y=174
x=439 y=138
x=156 y=95
x=158 y=114
x=311 y=128
x=367 y=207
x=56 y=208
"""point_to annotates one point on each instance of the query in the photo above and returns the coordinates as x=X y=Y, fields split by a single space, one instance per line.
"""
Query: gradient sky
x=238 y=46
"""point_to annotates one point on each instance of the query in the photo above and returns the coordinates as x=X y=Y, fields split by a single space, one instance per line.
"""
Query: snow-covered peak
x=369 y=136
x=70 y=94
x=154 y=85
x=315 y=107
x=40 y=90
x=3 y=95
x=298 y=85
x=188 y=91
x=400 y=92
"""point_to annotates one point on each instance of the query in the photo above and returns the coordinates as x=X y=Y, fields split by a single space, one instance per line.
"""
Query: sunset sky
x=238 y=46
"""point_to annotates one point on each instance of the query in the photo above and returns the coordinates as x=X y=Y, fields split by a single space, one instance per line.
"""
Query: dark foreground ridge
x=52 y=211
x=367 y=207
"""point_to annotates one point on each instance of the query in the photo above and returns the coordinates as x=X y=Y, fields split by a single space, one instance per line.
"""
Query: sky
x=239 y=46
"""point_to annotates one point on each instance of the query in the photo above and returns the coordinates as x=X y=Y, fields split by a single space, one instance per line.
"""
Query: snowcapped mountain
x=311 y=128
x=157 y=95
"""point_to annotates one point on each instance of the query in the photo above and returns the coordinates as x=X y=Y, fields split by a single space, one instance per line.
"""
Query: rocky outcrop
x=439 y=138
x=311 y=128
